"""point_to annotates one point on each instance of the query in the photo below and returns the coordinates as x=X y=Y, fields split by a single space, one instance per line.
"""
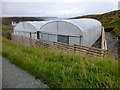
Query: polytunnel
x=75 y=31
x=28 y=28
x=84 y=31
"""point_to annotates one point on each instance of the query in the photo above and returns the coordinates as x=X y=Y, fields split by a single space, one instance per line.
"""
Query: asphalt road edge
x=0 y=72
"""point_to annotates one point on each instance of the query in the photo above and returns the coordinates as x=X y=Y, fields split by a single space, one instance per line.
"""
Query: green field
x=66 y=70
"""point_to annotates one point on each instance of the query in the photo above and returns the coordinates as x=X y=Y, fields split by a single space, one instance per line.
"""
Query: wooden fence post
x=74 y=48
x=30 y=40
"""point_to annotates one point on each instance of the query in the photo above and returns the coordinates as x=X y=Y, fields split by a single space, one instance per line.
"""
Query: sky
x=56 y=8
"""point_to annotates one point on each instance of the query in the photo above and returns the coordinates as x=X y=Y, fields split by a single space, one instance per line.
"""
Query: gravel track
x=14 y=77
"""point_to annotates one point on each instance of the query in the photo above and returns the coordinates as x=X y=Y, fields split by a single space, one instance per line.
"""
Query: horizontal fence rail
x=60 y=46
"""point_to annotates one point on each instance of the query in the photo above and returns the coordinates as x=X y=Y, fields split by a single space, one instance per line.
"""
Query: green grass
x=6 y=31
x=58 y=69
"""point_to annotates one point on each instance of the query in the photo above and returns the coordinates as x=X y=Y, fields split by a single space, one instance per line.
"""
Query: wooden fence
x=72 y=48
x=60 y=46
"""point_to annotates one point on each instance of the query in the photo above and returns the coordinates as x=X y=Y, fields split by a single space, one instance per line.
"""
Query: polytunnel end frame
x=104 y=42
x=38 y=36
x=81 y=36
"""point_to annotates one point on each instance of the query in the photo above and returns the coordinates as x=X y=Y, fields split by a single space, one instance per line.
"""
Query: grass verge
x=58 y=69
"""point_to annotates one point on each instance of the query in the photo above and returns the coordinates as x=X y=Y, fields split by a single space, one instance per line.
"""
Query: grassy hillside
x=7 y=20
x=110 y=21
x=58 y=69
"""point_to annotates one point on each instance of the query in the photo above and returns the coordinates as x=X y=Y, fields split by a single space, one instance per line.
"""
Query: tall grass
x=59 y=69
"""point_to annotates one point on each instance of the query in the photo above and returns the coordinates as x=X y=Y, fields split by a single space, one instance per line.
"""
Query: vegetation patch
x=6 y=31
x=66 y=70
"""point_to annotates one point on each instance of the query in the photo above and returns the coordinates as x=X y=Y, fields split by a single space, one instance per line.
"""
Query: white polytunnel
x=28 y=27
x=83 y=31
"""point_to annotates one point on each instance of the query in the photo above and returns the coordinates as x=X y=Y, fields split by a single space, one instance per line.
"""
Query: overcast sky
x=57 y=8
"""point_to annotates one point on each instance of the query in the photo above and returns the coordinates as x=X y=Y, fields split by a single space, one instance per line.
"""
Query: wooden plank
x=88 y=47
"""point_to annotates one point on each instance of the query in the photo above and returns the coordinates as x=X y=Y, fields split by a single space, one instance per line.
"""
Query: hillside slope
x=110 y=20
x=7 y=20
x=63 y=70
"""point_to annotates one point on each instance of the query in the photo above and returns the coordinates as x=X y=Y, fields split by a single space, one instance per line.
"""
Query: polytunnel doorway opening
x=70 y=39
x=38 y=35
x=78 y=40
x=63 y=39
